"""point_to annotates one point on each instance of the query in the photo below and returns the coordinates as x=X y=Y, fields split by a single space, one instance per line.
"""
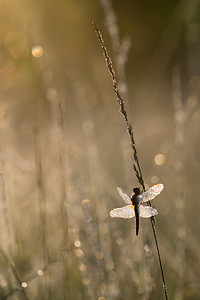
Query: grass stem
x=136 y=164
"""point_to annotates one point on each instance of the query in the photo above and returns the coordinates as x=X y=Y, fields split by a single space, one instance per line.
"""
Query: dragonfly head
x=136 y=190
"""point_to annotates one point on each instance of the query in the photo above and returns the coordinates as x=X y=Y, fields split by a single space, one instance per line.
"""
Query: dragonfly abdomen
x=137 y=218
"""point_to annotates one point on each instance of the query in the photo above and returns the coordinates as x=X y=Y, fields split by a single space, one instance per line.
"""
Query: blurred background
x=64 y=148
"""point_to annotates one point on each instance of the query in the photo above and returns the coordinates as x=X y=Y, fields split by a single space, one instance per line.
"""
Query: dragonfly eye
x=136 y=191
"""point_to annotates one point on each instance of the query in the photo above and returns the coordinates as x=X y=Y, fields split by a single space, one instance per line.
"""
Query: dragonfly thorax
x=136 y=196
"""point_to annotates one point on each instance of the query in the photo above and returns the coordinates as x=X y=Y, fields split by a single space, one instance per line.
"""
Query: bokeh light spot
x=192 y=101
x=82 y=267
x=147 y=250
x=119 y=241
x=77 y=244
x=37 y=51
x=154 y=179
x=159 y=159
x=99 y=255
x=79 y=253
x=85 y=202
x=51 y=94
x=109 y=265
x=24 y=284
x=40 y=272
x=86 y=281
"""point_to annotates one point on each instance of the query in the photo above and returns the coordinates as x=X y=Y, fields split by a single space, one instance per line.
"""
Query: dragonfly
x=135 y=207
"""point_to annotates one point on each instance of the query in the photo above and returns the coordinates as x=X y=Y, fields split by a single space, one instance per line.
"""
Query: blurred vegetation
x=64 y=148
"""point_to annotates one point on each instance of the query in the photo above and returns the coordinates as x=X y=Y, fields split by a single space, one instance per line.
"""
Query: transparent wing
x=125 y=197
x=152 y=192
x=147 y=211
x=125 y=212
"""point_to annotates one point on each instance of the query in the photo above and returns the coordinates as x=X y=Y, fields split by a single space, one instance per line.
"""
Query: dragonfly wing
x=125 y=212
x=125 y=197
x=152 y=192
x=147 y=211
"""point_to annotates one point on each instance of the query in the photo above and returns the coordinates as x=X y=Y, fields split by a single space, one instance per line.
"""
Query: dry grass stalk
x=136 y=164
